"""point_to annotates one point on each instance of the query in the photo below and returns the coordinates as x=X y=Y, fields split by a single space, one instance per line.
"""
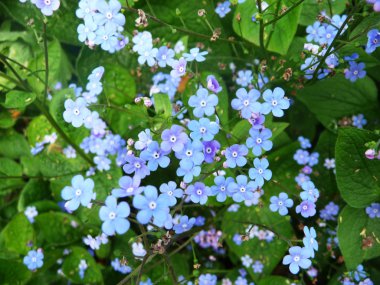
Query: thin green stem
x=285 y=13
x=46 y=55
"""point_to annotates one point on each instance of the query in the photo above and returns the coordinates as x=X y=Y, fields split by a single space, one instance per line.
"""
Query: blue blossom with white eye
x=359 y=121
x=305 y=142
x=309 y=241
x=257 y=266
x=114 y=216
x=301 y=157
x=128 y=187
x=137 y=166
x=330 y=211
x=148 y=55
x=102 y=163
x=106 y=39
x=145 y=138
x=235 y=155
x=179 y=68
x=31 y=212
x=109 y=15
x=184 y=224
x=373 y=40
x=298 y=257
x=155 y=156
x=260 y=172
x=326 y=34
x=223 y=9
x=259 y=140
x=281 y=204
x=301 y=178
x=171 y=192
x=196 y=55
x=313 y=159
x=373 y=211
x=203 y=103
x=198 y=193
x=174 y=139
x=203 y=129
x=355 y=71
x=246 y=102
x=188 y=170
x=141 y=40
x=47 y=7
x=79 y=193
x=82 y=267
x=306 y=209
x=86 y=10
x=242 y=189
x=34 y=259
x=76 y=112
x=165 y=56
x=310 y=193
x=220 y=188
x=87 y=32
x=244 y=78
x=192 y=153
x=151 y=205
x=275 y=102
x=210 y=149
x=312 y=32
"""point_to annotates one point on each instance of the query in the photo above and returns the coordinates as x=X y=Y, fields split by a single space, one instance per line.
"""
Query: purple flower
x=114 y=216
x=137 y=166
x=209 y=150
x=306 y=208
x=198 y=193
x=235 y=155
x=213 y=84
x=257 y=121
x=246 y=103
x=174 y=139
x=355 y=71
x=179 y=68
x=298 y=257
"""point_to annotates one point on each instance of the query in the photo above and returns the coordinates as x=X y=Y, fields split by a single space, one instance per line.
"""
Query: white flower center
x=34 y=259
x=152 y=205
x=189 y=153
x=223 y=188
x=260 y=171
x=296 y=258
x=202 y=130
x=259 y=140
x=76 y=111
x=181 y=69
x=156 y=155
x=170 y=193
x=173 y=139
x=242 y=189
x=234 y=154
x=109 y=15
x=112 y=215
x=274 y=103
x=203 y=103
x=280 y=203
x=130 y=189
x=304 y=207
x=47 y=2
x=356 y=72
x=137 y=165
x=199 y=192
x=78 y=192
x=246 y=103
x=208 y=150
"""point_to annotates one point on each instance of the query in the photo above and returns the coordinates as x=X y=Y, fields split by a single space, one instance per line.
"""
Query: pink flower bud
x=370 y=153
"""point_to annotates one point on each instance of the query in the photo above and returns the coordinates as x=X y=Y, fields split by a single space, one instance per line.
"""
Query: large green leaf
x=333 y=98
x=17 y=235
x=269 y=253
x=13 y=145
x=163 y=105
x=277 y=36
x=354 y=226
x=33 y=191
x=13 y=272
x=18 y=99
x=358 y=178
x=10 y=168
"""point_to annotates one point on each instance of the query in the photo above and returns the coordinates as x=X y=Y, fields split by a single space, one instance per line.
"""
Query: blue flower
x=275 y=102
x=196 y=55
x=246 y=103
x=165 y=56
x=87 y=32
x=305 y=143
x=76 y=112
x=310 y=193
x=373 y=211
x=147 y=54
x=313 y=159
x=301 y=157
x=259 y=140
x=359 y=121
x=198 y=193
x=128 y=187
x=179 y=68
x=114 y=216
x=109 y=14
x=185 y=224
x=309 y=240
x=34 y=259
x=306 y=208
x=102 y=163
x=359 y=273
x=373 y=41
x=220 y=188
x=203 y=103
x=145 y=139
x=355 y=72
x=80 y=192
x=106 y=39
x=326 y=34
x=329 y=212
x=301 y=178
x=208 y=279
x=174 y=139
x=122 y=268
x=298 y=257
x=137 y=166
x=312 y=31
x=280 y=204
x=47 y=7
x=86 y=10
x=171 y=192
x=235 y=155
x=223 y=9
x=151 y=205
x=209 y=149
x=242 y=189
x=141 y=40
x=203 y=129
x=155 y=156
x=257 y=267
x=260 y=172
x=188 y=170
x=213 y=84
x=245 y=78
x=192 y=153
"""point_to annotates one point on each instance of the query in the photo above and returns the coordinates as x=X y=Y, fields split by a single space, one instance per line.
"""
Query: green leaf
x=6 y=119
x=358 y=178
x=355 y=225
x=56 y=164
x=58 y=228
x=17 y=235
x=14 y=146
x=163 y=105
x=13 y=272
x=18 y=99
x=333 y=98
x=269 y=253
x=311 y=9
x=10 y=168
x=70 y=267
x=33 y=191
x=37 y=129
x=275 y=280
x=277 y=36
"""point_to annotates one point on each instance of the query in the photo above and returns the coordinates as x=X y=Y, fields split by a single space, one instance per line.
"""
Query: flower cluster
x=47 y=7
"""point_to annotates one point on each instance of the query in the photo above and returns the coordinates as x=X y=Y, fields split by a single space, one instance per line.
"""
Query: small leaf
x=18 y=99
x=163 y=105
